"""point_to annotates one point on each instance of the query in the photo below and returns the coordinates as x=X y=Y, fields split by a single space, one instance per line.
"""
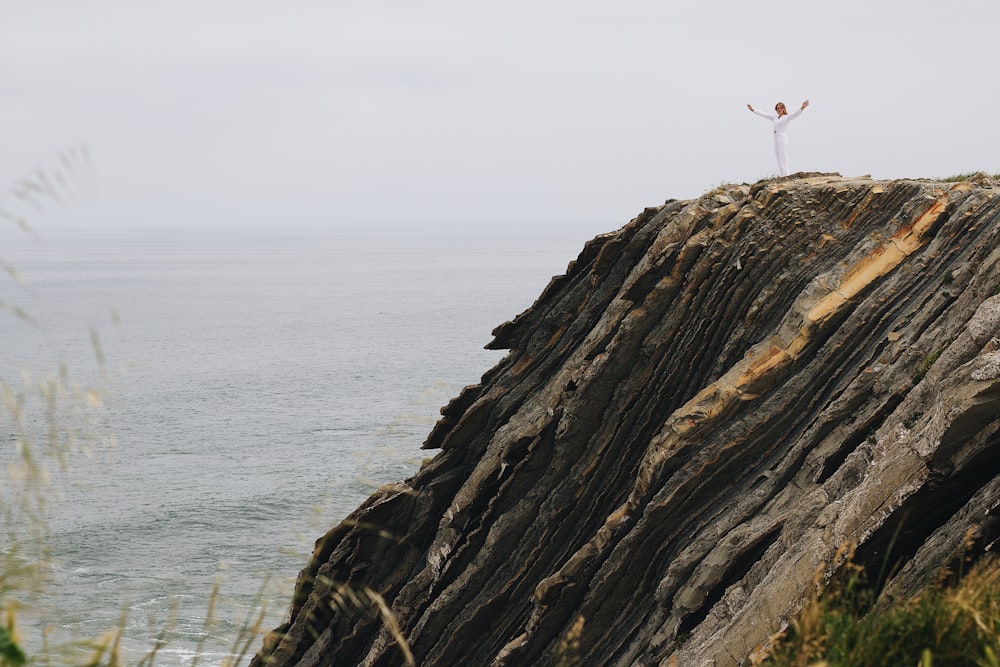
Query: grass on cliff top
x=947 y=624
x=958 y=178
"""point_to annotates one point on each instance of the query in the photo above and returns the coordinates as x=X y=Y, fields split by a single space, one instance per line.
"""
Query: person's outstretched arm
x=798 y=112
x=762 y=114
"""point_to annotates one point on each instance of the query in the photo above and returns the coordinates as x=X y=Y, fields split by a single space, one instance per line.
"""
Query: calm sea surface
x=257 y=388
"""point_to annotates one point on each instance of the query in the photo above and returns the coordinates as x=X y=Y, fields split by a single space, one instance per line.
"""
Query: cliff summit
x=691 y=422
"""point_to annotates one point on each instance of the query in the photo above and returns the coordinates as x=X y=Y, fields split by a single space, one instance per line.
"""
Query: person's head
x=780 y=109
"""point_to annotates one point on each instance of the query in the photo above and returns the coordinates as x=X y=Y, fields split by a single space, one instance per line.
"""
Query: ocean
x=255 y=387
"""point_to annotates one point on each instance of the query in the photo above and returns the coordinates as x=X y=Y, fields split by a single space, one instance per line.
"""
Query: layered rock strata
x=691 y=423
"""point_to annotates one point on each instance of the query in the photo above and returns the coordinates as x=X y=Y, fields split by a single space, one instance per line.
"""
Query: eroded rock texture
x=691 y=421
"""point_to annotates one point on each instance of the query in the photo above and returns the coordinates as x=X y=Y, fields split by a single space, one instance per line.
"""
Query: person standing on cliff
x=780 y=122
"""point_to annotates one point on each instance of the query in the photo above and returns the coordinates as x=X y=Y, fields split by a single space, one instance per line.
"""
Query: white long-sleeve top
x=779 y=123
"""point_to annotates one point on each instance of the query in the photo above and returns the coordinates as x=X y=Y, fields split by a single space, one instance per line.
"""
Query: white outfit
x=780 y=138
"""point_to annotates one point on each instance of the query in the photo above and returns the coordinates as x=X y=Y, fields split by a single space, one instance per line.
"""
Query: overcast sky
x=481 y=113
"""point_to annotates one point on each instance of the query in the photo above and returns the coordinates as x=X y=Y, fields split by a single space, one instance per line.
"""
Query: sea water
x=254 y=388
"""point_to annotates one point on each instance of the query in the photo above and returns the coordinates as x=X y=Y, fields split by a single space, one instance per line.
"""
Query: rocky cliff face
x=690 y=423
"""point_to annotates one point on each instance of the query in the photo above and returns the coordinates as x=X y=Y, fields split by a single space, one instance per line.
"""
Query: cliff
x=691 y=422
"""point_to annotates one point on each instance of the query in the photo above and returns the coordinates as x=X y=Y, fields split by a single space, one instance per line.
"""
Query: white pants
x=781 y=152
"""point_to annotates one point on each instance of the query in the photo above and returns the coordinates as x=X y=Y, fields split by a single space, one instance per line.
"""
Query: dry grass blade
x=250 y=631
x=389 y=620
x=209 y=622
x=375 y=528
x=245 y=638
x=162 y=638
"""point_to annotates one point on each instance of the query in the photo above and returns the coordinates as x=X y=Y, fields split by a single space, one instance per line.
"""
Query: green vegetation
x=954 y=624
x=959 y=178
x=925 y=364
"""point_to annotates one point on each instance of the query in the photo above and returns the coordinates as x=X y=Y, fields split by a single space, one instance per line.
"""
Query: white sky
x=481 y=113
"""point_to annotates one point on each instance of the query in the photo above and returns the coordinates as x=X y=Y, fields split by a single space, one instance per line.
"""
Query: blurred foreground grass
x=48 y=421
x=953 y=621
